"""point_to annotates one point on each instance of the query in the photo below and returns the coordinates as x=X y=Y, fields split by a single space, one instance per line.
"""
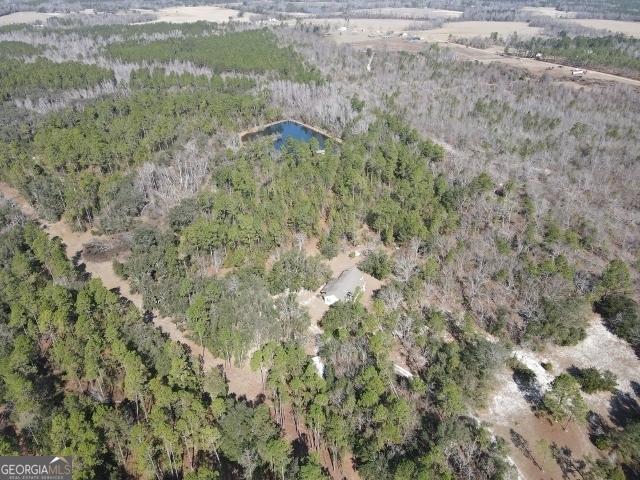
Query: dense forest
x=253 y=50
x=497 y=214
x=19 y=79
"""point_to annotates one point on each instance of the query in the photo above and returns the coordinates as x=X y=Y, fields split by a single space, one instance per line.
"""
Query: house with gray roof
x=343 y=288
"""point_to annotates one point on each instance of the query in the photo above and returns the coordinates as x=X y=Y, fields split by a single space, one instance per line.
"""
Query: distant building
x=344 y=287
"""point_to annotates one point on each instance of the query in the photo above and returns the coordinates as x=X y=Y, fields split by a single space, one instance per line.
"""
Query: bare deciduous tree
x=165 y=186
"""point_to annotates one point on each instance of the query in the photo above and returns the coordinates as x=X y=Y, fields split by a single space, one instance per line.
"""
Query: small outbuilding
x=344 y=287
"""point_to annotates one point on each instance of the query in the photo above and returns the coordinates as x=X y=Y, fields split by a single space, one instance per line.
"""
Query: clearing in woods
x=510 y=412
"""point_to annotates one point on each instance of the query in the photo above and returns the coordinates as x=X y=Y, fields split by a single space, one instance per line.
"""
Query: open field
x=408 y=12
x=480 y=29
x=615 y=26
x=360 y=29
x=538 y=67
x=196 y=14
x=548 y=12
x=25 y=17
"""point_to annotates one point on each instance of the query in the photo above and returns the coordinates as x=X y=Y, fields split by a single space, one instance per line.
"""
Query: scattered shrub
x=521 y=373
x=616 y=278
x=328 y=246
x=294 y=271
x=377 y=264
x=563 y=322
x=622 y=316
x=591 y=380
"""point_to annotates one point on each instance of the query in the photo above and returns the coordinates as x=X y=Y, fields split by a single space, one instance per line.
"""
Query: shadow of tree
x=301 y=446
x=530 y=390
x=623 y=408
x=635 y=386
x=597 y=426
x=523 y=445
x=568 y=465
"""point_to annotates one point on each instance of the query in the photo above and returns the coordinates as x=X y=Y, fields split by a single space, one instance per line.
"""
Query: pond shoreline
x=259 y=128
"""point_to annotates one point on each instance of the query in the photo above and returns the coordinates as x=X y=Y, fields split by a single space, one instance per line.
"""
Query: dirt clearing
x=510 y=412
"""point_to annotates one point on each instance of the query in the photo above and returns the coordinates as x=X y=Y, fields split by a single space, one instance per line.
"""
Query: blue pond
x=285 y=130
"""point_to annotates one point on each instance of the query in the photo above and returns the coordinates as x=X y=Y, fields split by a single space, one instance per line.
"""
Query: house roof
x=345 y=284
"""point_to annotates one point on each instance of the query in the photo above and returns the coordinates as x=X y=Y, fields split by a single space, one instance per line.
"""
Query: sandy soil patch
x=208 y=13
x=534 y=459
x=617 y=26
x=604 y=350
x=26 y=17
x=529 y=437
x=509 y=410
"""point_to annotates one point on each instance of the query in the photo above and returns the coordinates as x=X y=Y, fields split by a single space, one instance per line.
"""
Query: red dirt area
x=542 y=450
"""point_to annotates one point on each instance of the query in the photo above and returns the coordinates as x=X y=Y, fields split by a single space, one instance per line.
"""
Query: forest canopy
x=249 y=51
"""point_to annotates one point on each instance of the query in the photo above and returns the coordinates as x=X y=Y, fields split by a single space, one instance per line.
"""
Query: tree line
x=247 y=51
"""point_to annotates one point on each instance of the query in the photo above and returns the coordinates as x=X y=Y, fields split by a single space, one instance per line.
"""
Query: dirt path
x=241 y=380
